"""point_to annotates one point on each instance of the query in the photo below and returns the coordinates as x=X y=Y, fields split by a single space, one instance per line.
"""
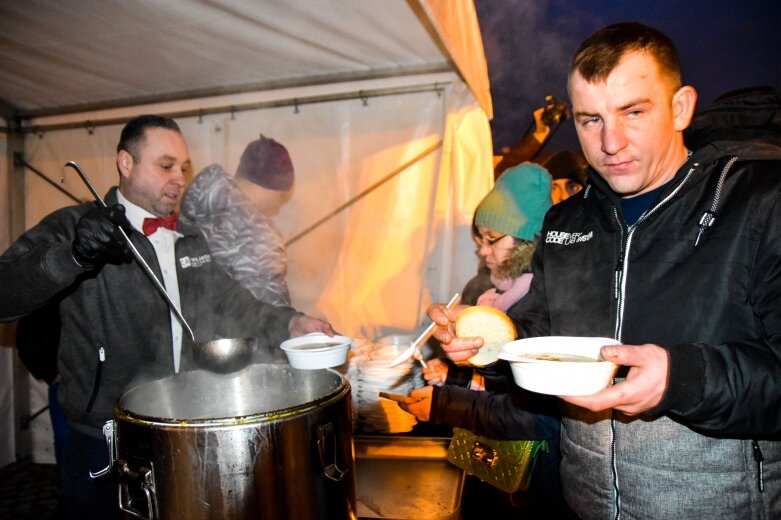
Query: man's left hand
x=303 y=324
x=643 y=387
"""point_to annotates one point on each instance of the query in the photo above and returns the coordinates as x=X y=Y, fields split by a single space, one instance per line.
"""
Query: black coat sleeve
x=515 y=415
x=39 y=265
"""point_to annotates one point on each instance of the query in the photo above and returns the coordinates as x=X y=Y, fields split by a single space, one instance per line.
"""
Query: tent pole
x=297 y=102
x=12 y=225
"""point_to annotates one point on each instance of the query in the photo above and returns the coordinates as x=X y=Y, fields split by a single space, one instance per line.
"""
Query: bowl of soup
x=560 y=365
x=316 y=350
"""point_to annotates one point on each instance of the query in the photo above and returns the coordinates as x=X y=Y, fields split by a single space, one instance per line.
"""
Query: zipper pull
x=102 y=354
x=617 y=279
x=760 y=465
x=706 y=221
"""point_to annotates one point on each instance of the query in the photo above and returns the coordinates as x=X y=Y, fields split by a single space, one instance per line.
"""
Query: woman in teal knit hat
x=507 y=225
x=508 y=222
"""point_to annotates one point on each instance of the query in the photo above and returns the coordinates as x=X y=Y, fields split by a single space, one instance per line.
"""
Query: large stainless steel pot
x=267 y=442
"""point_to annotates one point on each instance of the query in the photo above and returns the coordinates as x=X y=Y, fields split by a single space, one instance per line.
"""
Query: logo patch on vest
x=194 y=261
x=565 y=239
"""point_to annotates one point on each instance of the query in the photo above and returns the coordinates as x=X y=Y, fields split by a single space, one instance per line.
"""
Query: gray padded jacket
x=243 y=242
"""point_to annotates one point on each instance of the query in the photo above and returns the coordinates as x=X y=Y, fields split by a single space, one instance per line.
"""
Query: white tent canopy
x=383 y=106
x=76 y=54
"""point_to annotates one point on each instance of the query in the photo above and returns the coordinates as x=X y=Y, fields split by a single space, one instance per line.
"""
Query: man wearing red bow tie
x=115 y=326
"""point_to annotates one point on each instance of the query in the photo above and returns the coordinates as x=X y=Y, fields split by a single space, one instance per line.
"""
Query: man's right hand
x=458 y=350
x=98 y=238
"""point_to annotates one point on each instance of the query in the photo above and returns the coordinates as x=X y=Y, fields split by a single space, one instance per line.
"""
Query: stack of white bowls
x=375 y=414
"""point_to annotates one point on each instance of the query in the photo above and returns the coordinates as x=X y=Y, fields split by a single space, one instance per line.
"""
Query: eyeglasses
x=483 y=241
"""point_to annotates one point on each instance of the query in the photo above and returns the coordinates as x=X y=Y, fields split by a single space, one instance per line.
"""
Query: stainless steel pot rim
x=120 y=413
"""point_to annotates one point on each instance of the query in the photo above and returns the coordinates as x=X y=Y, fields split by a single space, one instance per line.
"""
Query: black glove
x=98 y=238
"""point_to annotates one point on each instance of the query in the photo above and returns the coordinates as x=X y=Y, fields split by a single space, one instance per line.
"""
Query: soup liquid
x=569 y=358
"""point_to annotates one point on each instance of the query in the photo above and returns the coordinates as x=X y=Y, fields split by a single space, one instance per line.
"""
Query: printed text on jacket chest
x=565 y=238
x=194 y=261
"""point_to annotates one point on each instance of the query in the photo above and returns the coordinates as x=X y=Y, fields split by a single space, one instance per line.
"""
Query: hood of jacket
x=745 y=122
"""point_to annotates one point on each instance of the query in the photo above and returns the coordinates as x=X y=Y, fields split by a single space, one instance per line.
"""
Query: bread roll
x=488 y=323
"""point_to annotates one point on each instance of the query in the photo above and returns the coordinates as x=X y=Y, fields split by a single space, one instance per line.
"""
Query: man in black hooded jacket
x=677 y=254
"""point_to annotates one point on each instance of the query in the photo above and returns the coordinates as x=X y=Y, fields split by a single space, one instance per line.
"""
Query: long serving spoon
x=159 y=286
x=414 y=349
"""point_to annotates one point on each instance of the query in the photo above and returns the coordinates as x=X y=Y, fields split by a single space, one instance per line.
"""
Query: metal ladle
x=140 y=259
x=225 y=356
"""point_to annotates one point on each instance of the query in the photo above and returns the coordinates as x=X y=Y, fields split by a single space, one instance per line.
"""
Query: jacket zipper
x=98 y=375
x=760 y=465
x=619 y=292
x=619 y=263
x=709 y=217
x=619 y=296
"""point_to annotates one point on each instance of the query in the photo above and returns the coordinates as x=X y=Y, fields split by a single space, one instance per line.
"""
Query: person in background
x=567 y=170
x=546 y=121
x=529 y=146
x=235 y=214
x=568 y=178
x=115 y=327
x=516 y=196
x=508 y=222
x=675 y=252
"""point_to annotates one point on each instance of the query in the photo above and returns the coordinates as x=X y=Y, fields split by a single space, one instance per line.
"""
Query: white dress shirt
x=163 y=241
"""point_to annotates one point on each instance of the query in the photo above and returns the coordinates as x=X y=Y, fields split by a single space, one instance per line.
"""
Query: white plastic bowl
x=316 y=350
x=560 y=377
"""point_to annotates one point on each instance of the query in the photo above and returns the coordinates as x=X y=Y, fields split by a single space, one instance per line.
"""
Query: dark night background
x=722 y=44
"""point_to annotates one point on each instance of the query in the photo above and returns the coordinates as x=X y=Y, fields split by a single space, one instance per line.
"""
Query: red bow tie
x=152 y=224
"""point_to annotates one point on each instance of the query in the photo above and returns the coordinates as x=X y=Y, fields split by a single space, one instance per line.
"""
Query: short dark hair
x=134 y=132
x=601 y=52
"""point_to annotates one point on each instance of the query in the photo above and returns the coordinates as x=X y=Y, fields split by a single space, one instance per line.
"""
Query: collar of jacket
x=610 y=202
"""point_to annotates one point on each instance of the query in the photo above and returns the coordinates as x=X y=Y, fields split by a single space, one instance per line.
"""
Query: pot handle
x=108 y=433
x=326 y=446
x=145 y=479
